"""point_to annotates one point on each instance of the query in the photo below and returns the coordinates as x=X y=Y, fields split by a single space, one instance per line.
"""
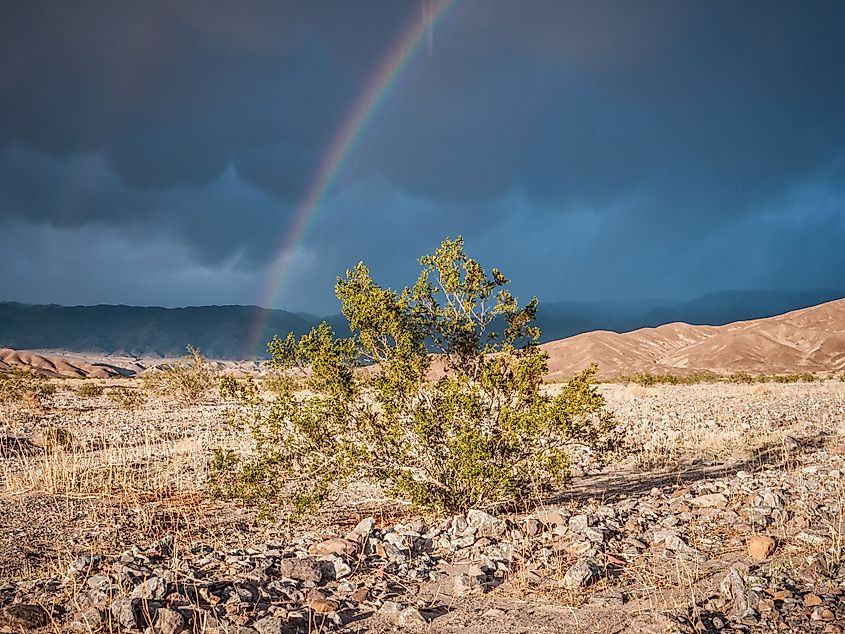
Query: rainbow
x=354 y=125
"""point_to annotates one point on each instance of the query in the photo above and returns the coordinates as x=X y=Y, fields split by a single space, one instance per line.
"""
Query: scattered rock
x=580 y=575
x=169 y=621
x=822 y=614
x=760 y=547
x=23 y=617
x=334 y=546
x=710 y=500
x=301 y=569
x=466 y=583
x=411 y=616
x=812 y=537
x=486 y=525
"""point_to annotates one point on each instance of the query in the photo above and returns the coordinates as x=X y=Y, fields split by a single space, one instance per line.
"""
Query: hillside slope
x=806 y=340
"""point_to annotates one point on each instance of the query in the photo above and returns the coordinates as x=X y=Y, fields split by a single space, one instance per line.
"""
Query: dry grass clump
x=152 y=469
x=188 y=381
x=125 y=397
x=90 y=389
x=25 y=388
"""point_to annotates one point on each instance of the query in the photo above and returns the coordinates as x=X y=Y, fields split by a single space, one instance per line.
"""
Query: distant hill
x=223 y=332
x=58 y=366
x=242 y=332
x=558 y=320
x=807 y=340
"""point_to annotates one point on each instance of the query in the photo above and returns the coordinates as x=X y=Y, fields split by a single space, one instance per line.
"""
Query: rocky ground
x=725 y=515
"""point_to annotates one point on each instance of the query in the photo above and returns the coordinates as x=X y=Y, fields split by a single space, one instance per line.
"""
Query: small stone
x=128 y=613
x=152 y=588
x=780 y=595
x=579 y=523
x=270 y=625
x=301 y=569
x=339 y=568
x=760 y=547
x=822 y=614
x=832 y=628
x=321 y=605
x=22 y=617
x=486 y=525
x=334 y=546
x=169 y=621
x=710 y=501
x=99 y=582
x=812 y=600
x=391 y=609
x=411 y=615
x=360 y=595
x=532 y=527
x=552 y=518
x=812 y=537
x=365 y=527
x=580 y=575
x=465 y=584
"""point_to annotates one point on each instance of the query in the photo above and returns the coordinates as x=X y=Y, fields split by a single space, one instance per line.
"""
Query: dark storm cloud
x=592 y=99
x=656 y=133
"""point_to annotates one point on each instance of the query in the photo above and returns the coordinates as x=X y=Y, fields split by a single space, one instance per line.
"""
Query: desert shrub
x=58 y=438
x=126 y=397
x=25 y=388
x=740 y=377
x=90 y=390
x=466 y=427
x=798 y=377
x=649 y=379
x=188 y=381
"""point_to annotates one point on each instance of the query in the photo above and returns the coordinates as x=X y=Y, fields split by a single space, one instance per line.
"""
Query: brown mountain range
x=807 y=340
x=57 y=365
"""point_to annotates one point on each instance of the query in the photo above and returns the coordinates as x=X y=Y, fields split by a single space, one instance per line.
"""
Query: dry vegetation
x=83 y=474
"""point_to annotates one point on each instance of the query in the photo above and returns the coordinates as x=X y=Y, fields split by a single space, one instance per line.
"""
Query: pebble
x=580 y=575
x=760 y=547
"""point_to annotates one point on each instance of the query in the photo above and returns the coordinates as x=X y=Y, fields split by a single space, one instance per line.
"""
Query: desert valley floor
x=725 y=511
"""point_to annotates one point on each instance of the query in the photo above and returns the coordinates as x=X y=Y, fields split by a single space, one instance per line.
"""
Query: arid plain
x=722 y=510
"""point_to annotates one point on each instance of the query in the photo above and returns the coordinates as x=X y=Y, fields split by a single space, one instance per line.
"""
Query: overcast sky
x=156 y=153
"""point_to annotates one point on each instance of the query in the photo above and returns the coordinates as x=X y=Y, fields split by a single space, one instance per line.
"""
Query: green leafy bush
x=466 y=427
x=188 y=381
x=126 y=397
x=25 y=388
x=90 y=390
